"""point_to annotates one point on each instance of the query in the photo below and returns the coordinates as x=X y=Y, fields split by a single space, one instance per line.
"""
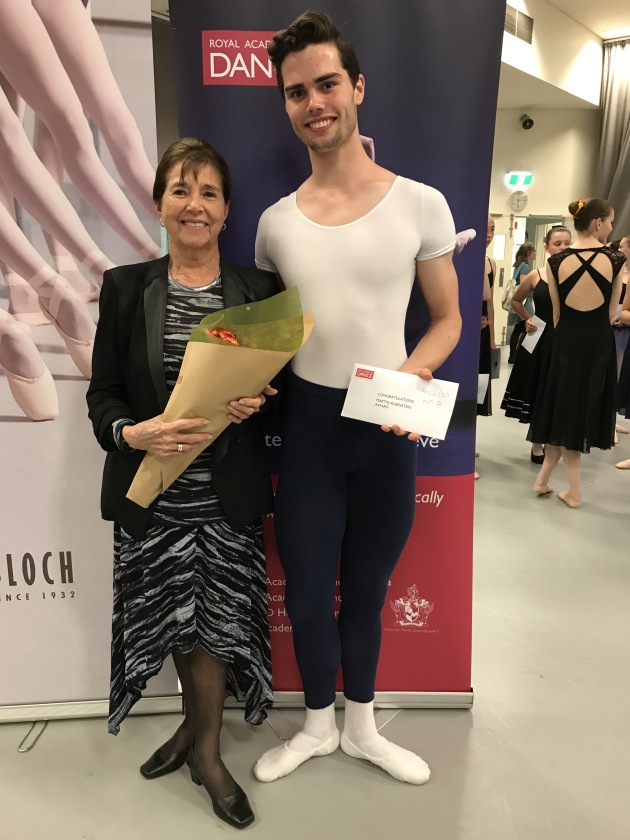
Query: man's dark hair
x=312 y=28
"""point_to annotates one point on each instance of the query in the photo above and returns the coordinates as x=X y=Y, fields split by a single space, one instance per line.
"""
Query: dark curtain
x=613 y=177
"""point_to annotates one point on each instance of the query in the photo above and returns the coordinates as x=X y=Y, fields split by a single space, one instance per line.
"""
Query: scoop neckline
x=354 y=221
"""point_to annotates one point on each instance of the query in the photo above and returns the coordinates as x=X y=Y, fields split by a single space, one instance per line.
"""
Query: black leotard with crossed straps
x=577 y=409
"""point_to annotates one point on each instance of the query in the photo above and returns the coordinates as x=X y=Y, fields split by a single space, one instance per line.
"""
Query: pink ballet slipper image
x=23 y=302
x=34 y=69
x=463 y=238
x=30 y=381
x=56 y=297
x=368 y=145
x=79 y=349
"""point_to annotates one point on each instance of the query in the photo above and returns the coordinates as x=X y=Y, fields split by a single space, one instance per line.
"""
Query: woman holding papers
x=487 y=342
x=530 y=369
x=577 y=407
x=189 y=571
x=523 y=261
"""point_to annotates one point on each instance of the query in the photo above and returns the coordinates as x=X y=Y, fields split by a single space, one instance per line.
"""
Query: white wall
x=563 y=52
x=561 y=150
x=121 y=10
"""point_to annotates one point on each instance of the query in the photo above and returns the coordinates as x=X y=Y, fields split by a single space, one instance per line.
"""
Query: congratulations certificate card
x=391 y=398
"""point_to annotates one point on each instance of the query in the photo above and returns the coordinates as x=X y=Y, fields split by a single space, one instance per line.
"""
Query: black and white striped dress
x=192 y=580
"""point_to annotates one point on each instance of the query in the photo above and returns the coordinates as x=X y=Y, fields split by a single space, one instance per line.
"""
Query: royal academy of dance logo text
x=411 y=612
x=236 y=57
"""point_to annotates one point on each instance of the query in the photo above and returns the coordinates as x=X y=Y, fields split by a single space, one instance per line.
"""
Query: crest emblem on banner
x=412 y=611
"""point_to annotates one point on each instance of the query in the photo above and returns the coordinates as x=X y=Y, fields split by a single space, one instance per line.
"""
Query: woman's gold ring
x=180 y=447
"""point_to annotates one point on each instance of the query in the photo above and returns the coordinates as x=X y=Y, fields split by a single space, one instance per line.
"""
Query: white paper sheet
x=482 y=387
x=391 y=398
x=532 y=339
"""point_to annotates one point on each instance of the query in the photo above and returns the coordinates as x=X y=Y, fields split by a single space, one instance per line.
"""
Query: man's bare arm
x=438 y=283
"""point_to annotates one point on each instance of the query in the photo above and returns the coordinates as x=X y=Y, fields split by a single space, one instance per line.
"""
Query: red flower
x=225 y=335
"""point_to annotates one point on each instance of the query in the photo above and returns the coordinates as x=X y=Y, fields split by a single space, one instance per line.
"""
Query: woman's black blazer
x=128 y=380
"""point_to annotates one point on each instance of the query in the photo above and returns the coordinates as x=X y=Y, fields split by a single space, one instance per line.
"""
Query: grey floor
x=543 y=755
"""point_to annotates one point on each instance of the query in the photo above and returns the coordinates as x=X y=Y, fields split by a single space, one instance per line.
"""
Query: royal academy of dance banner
x=432 y=71
x=77 y=157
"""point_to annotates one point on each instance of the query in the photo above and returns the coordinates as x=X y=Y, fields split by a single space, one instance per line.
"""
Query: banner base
x=282 y=699
x=390 y=699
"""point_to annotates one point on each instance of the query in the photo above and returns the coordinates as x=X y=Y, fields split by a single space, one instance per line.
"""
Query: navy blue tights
x=345 y=488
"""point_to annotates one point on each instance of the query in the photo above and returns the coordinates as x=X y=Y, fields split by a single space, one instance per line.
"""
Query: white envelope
x=483 y=382
x=532 y=339
x=392 y=398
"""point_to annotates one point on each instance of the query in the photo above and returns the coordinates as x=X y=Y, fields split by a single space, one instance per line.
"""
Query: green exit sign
x=518 y=178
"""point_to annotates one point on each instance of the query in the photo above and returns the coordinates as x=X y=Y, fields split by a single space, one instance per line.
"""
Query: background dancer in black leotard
x=577 y=408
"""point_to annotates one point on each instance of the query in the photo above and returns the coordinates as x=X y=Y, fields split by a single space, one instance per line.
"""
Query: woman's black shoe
x=163 y=761
x=537 y=459
x=233 y=809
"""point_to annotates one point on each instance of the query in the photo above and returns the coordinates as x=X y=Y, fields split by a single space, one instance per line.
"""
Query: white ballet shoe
x=400 y=763
x=282 y=760
x=36 y=397
x=80 y=351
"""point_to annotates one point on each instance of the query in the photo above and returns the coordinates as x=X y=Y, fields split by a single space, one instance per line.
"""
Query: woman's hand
x=423 y=373
x=484 y=322
x=162 y=439
x=530 y=326
x=239 y=410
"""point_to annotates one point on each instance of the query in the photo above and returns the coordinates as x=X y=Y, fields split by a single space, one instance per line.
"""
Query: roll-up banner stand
x=56 y=552
x=432 y=73
x=429 y=110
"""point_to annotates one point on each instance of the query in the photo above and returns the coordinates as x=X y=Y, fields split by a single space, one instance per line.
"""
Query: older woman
x=189 y=573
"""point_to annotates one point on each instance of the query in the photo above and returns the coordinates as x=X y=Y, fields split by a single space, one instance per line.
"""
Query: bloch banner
x=77 y=156
x=432 y=72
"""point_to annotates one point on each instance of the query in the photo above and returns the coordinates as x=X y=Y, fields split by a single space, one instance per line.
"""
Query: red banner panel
x=427 y=618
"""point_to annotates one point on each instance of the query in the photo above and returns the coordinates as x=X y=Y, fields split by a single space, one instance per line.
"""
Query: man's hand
x=239 y=410
x=423 y=373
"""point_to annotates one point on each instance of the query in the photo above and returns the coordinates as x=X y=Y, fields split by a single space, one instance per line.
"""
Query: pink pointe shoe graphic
x=463 y=238
x=35 y=395
x=80 y=350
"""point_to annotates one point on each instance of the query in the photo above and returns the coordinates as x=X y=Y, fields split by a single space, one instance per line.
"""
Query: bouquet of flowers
x=231 y=354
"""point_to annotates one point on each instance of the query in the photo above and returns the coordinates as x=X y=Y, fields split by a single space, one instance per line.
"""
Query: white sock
x=360 y=739
x=319 y=736
x=320 y=723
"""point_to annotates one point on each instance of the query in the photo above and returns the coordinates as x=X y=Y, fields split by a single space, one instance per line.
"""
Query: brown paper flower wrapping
x=215 y=372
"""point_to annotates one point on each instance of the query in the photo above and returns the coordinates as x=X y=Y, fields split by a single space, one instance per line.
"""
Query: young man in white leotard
x=353 y=238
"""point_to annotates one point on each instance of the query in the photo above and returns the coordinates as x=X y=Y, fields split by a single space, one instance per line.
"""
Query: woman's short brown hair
x=192 y=153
